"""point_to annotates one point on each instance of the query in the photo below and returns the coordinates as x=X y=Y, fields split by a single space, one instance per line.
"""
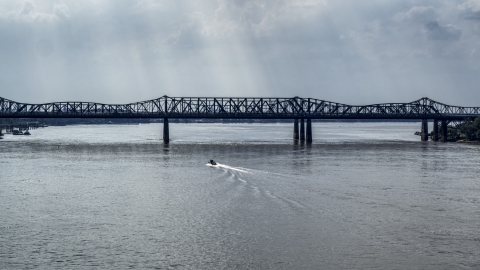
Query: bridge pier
x=444 y=131
x=424 y=131
x=309 y=130
x=166 y=137
x=435 y=130
x=1 y=134
x=302 y=129
x=295 y=129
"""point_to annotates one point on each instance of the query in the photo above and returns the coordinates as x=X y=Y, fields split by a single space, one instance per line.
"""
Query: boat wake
x=228 y=167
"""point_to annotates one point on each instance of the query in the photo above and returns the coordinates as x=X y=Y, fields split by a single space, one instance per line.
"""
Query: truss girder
x=196 y=107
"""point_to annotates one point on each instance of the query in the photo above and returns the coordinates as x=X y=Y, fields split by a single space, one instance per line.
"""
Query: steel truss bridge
x=240 y=108
x=247 y=108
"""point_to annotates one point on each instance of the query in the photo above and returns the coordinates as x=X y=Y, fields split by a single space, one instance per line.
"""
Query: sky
x=347 y=51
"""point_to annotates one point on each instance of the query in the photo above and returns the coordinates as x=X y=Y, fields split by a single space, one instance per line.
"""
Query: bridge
x=297 y=108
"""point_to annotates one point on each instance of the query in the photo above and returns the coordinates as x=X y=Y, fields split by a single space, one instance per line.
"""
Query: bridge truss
x=241 y=108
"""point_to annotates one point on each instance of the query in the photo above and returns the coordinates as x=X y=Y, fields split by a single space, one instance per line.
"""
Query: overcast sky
x=349 y=51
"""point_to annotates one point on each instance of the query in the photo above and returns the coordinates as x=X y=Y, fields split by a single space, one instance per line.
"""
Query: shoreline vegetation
x=466 y=132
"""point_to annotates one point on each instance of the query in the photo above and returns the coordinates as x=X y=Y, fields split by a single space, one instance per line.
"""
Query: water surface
x=362 y=196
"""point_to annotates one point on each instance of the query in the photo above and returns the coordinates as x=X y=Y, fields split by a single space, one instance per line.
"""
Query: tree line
x=468 y=130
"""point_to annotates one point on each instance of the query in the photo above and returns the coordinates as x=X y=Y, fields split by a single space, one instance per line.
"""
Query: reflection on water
x=116 y=197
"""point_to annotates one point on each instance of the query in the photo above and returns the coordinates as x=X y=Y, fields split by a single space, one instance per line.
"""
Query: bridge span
x=300 y=109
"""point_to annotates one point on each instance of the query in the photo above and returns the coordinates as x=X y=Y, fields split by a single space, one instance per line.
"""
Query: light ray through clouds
x=349 y=51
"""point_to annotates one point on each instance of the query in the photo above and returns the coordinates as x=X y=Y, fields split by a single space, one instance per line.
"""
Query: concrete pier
x=435 y=130
x=424 y=131
x=1 y=134
x=166 y=135
x=444 y=131
x=295 y=129
x=302 y=129
x=309 y=131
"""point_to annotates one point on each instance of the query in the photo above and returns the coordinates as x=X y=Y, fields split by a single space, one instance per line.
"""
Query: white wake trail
x=228 y=167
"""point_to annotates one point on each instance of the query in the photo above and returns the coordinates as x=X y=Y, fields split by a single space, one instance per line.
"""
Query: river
x=362 y=196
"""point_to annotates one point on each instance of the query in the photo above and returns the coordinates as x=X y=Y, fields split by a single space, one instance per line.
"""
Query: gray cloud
x=420 y=14
x=437 y=32
x=27 y=8
x=472 y=15
x=471 y=9
x=45 y=47
x=347 y=51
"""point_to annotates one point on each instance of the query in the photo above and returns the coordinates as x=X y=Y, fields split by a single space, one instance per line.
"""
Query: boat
x=17 y=132
x=212 y=162
x=26 y=133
